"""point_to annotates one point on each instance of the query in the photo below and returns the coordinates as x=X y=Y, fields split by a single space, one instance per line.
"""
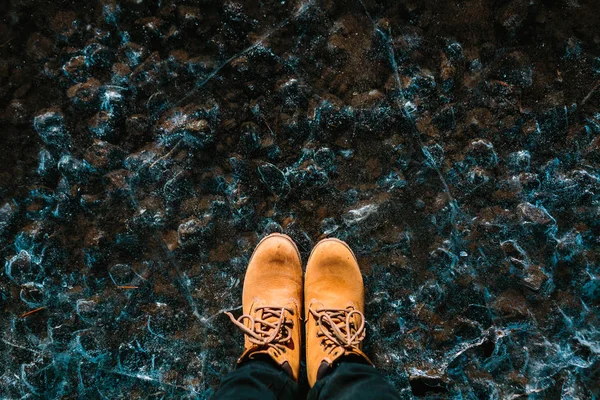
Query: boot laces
x=340 y=327
x=268 y=327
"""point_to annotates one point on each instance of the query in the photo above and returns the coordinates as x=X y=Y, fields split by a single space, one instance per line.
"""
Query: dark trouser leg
x=353 y=380
x=257 y=379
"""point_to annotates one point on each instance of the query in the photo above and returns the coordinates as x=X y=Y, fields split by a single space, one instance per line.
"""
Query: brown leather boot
x=334 y=305
x=272 y=303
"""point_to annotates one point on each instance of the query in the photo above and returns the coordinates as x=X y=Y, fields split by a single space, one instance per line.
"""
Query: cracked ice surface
x=148 y=146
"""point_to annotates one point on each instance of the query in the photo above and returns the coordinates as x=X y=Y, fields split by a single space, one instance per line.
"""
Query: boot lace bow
x=268 y=327
x=343 y=327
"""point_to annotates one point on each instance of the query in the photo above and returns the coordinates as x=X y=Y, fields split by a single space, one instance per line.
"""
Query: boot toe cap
x=277 y=248
x=333 y=252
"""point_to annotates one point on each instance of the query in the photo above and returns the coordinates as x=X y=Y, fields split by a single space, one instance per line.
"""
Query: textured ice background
x=147 y=145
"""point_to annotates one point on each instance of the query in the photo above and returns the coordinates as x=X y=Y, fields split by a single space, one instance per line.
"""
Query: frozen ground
x=147 y=145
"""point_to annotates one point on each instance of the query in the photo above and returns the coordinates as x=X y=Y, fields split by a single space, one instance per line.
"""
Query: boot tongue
x=323 y=370
x=275 y=322
x=267 y=330
x=287 y=368
x=342 y=327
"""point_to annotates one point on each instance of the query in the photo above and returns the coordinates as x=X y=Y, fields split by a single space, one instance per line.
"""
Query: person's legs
x=257 y=379
x=352 y=379
x=272 y=304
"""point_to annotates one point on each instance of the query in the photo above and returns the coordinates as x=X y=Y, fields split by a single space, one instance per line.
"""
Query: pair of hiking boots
x=276 y=299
